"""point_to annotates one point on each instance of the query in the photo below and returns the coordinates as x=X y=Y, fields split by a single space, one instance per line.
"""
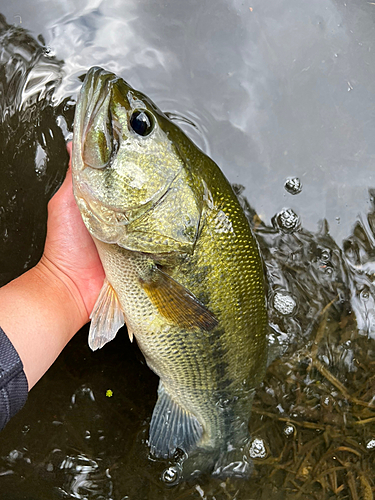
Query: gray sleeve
x=13 y=382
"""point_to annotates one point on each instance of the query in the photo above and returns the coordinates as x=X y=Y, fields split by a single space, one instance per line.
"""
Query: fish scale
x=183 y=270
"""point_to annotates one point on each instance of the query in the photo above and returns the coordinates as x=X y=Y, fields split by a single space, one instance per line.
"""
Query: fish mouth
x=96 y=88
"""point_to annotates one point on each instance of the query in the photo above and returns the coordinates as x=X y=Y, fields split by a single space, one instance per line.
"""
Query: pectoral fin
x=107 y=317
x=176 y=303
x=172 y=427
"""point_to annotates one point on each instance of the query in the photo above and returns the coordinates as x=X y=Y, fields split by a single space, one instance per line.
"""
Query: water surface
x=271 y=91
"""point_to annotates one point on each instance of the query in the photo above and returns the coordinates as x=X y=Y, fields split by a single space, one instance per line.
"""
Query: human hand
x=69 y=251
x=43 y=308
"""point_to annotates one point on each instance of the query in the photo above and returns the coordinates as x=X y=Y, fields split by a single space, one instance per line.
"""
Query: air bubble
x=287 y=220
x=325 y=255
x=170 y=475
x=293 y=185
x=284 y=303
x=328 y=270
x=289 y=430
x=258 y=449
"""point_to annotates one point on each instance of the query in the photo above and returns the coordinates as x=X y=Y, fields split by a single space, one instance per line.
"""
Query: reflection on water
x=312 y=426
x=32 y=147
x=82 y=478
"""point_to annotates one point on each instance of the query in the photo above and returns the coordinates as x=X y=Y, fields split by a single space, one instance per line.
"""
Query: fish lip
x=86 y=108
x=96 y=77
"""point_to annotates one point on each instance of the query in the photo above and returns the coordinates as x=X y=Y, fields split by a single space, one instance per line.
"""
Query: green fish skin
x=183 y=271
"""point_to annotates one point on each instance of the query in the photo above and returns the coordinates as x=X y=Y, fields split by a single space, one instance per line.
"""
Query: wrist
x=65 y=292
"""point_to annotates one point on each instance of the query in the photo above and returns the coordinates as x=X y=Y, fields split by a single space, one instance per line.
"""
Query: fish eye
x=142 y=122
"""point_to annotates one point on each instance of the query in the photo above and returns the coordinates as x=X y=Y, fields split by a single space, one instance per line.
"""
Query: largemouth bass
x=183 y=271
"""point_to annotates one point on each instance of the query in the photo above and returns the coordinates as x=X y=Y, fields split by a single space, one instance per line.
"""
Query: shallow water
x=271 y=91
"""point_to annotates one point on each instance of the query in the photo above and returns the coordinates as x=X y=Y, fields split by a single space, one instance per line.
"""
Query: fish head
x=131 y=176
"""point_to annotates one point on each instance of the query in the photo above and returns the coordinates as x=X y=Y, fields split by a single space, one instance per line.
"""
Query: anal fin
x=172 y=427
x=106 y=317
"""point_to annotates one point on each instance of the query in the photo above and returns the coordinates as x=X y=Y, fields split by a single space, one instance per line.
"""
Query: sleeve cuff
x=13 y=382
